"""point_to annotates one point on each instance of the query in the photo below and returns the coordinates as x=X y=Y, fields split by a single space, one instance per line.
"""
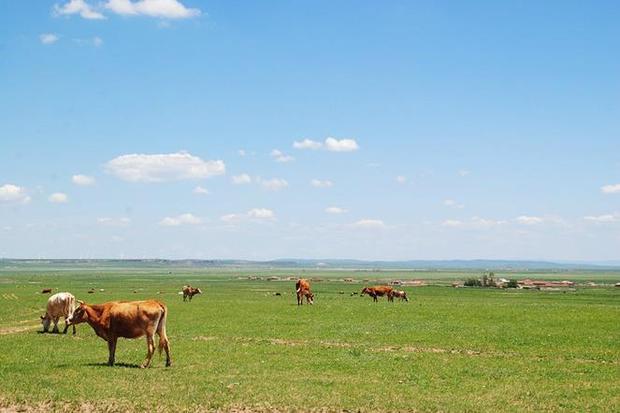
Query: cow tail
x=161 y=329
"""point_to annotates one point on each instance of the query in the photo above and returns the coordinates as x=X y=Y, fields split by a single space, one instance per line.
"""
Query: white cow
x=58 y=305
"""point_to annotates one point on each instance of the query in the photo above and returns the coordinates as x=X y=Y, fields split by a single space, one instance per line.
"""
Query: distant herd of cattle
x=134 y=319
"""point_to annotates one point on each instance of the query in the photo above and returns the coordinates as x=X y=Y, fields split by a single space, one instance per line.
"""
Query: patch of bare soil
x=15 y=330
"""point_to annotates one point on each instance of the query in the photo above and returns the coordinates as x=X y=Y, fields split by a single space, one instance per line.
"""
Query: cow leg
x=73 y=329
x=167 y=349
x=111 y=350
x=150 y=344
x=55 y=329
x=184 y=297
x=66 y=326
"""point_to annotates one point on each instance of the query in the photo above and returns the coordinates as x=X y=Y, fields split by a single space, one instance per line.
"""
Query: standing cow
x=378 y=291
x=189 y=291
x=128 y=319
x=58 y=305
x=302 y=288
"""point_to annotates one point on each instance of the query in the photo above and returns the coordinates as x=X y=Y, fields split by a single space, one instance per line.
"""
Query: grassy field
x=239 y=346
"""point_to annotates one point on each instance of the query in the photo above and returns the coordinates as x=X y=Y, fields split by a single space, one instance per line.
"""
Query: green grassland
x=241 y=347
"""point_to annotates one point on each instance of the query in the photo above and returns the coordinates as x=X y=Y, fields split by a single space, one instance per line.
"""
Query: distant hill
x=507 y=265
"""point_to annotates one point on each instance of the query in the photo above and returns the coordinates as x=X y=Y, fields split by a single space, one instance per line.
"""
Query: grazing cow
x=378 y=291
x=189 y=291
x=302 y=288
x=398 y=294
x=58 y=305
x=46 y=291
x=127 y=319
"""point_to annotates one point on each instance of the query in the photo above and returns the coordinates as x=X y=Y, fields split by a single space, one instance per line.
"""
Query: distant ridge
x=508 y=265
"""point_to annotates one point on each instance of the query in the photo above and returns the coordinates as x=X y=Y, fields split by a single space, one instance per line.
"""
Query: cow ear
x=42 y=317
x=80 y=302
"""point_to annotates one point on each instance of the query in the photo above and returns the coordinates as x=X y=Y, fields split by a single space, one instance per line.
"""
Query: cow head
x=197 y=291
x=79 y=315
x=364 y=291
x=310 y=297
x=45 y=322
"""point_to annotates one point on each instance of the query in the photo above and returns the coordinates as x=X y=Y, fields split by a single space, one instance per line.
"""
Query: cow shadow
x=121 y=365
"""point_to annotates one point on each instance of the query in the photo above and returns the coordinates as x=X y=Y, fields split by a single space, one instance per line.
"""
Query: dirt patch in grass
x=15 y=330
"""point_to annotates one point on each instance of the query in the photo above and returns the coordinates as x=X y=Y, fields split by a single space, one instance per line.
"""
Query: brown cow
x=378 y=291
x=398 y=294
x=46 y=291
x=189 y=291
x=128 y=319
x=302 y=288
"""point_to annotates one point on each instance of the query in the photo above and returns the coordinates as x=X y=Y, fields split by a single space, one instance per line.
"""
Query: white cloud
x=330 y=144
x=401 y=179
x=453 y=204
x=183 y=219
x=274 y=184
x=317 y=183
x=165 y=9
x=603 y=219
x=335 y=210
x=163 y=167
x=473 y=223
x=80 y=7
x=369 y=224
x=463 y=172
x=83 y=180
x=307 y=144
x=261 y=213
x=280 y=156
x=58 y=198
x=199 y=190
x=611 y=189
x=97 y=41
x=256 y=214
x=529 y=220
x=114 y=222
x=13 y=193
x=342 y=145
x=242 y=179
x=242 y=152
x=48 y=38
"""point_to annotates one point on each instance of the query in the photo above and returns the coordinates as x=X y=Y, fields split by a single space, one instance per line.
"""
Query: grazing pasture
x=242 y=346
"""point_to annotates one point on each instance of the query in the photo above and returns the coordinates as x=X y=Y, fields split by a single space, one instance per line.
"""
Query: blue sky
x=441 y=130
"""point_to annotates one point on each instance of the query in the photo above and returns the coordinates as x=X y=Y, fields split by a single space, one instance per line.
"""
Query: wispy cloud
x=451 y=203
x=318 y=183
x=79 y=7
x=83 y=180
x=58 y=198
x=255 y=214
x=163 y=167
x=367 y=223
x=473 y=223
x=242 y=179
x=611 y=189
x=273 y=184
x=48 y=38
x=335 y=210
x=163 y=9
x=114 y=222
x=199 y=190
x=183 y=219
x=281 y=157
x=603 y=219
x=14 y=193
x=330 y=144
